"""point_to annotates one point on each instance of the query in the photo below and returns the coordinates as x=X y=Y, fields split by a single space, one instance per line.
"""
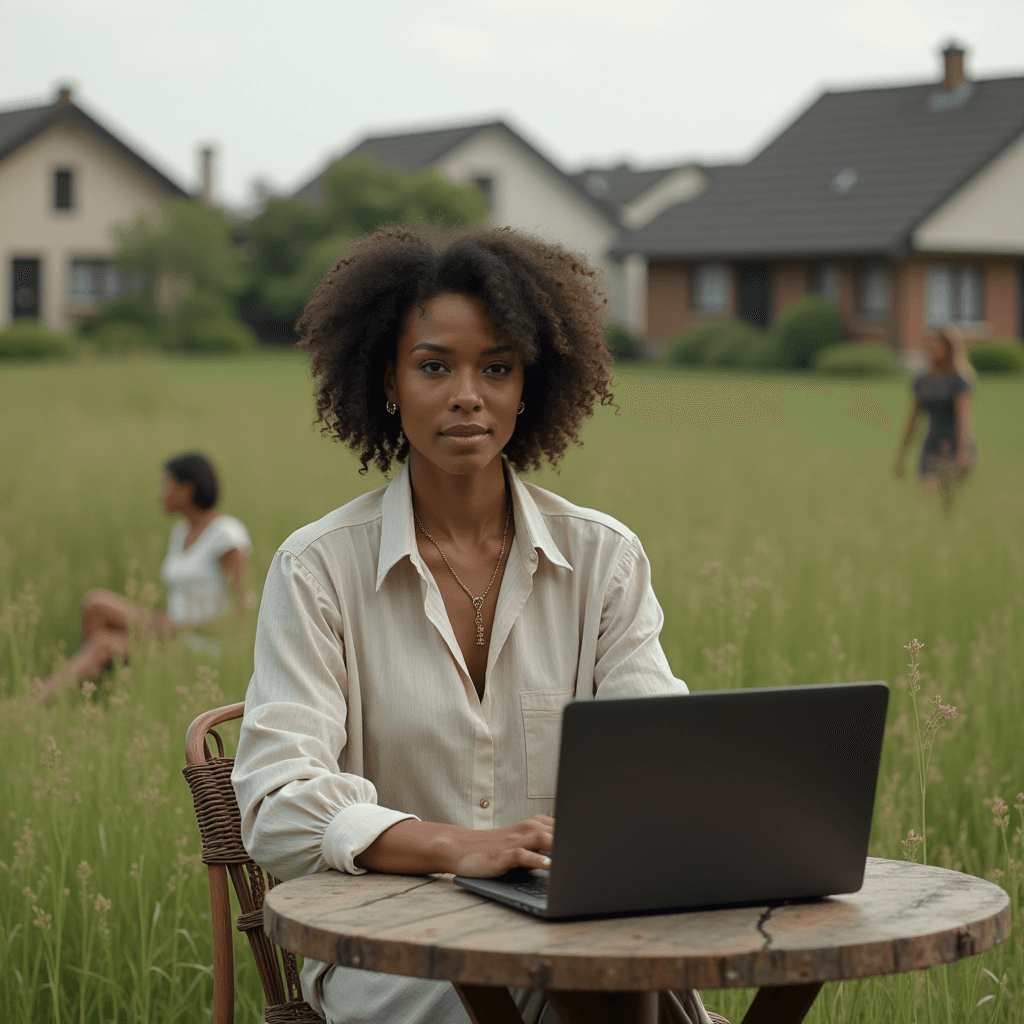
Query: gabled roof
x=412 y=152
x=617 y=187
x=853 y=175
x=18 y=127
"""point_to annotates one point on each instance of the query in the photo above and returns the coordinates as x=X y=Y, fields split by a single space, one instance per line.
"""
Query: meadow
x=783 y=552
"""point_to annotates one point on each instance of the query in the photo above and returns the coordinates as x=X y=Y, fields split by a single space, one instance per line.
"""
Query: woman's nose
x=465 y=392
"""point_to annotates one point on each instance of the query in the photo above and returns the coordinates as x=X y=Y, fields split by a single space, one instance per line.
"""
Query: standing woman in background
x=943 y=392
x=204 y=573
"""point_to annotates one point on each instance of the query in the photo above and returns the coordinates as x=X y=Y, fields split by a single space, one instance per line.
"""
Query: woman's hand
x=423 y=847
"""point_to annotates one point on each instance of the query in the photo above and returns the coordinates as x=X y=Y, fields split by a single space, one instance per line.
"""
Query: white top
x=194 y=578
x=361 y=711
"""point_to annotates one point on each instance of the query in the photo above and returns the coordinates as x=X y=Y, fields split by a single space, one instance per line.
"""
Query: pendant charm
x=477 y=604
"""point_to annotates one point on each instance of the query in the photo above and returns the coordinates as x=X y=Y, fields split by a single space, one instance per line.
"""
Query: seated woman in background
x=943 y=392
x=204 y=572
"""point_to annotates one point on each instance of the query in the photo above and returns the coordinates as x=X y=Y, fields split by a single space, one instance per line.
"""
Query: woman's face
x=456 y=384
x=938 y=352
x=174 y=495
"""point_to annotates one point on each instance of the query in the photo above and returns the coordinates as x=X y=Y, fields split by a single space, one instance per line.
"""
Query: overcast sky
x=281 y=86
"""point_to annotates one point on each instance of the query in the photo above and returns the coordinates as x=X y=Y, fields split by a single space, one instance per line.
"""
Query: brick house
x=903 y=205
x=65 y=182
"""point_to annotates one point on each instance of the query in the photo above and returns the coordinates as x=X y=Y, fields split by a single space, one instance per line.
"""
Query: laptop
x=707 y=799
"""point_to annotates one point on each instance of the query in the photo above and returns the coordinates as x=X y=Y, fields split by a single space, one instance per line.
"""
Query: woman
x=415 y=646
x=204 y=572
x=943 y=392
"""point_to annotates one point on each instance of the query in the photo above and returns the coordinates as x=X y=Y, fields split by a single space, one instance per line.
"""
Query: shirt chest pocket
x=542 y=726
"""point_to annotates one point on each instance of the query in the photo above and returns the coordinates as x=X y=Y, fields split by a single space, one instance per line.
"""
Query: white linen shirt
x=361 y=711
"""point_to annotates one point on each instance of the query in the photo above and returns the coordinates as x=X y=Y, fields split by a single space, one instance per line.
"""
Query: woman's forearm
x=411 y=847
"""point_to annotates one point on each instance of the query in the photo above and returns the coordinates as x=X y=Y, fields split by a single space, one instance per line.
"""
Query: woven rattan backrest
x=220 y=825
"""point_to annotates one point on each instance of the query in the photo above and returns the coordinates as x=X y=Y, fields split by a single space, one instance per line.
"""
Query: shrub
x=136 y=309
x=621 y=342
x=25 y=338
x=857 y=359
x=804 y=328
x=998 y=355
x=733 y=344
x=122 y=336
x=721 y=343
x=205 y=322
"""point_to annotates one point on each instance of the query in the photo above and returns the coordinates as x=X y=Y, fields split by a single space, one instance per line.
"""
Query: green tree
x=185 y=240
x=293 y=245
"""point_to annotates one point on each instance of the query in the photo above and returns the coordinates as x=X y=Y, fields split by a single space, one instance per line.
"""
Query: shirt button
x=485 y=804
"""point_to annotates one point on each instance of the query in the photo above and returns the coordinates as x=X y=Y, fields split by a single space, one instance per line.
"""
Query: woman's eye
x=433 y=366
x=499 y=368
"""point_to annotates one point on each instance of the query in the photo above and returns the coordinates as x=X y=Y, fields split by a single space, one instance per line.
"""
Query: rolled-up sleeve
x=629 y=658
x=300 y=812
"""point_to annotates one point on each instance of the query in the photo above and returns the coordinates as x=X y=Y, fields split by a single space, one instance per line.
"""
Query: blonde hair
x=957 y=347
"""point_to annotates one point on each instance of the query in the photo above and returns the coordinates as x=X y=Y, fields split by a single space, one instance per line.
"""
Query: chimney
x=206 y=175
x=64 y=95
x=953 y=67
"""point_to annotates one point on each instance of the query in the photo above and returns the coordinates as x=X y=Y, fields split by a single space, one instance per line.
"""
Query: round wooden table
x=906 y=917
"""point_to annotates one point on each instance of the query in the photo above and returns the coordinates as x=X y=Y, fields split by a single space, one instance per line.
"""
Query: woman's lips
x=464 y=431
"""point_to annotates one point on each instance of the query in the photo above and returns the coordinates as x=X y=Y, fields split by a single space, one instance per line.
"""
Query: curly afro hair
x=542 y=299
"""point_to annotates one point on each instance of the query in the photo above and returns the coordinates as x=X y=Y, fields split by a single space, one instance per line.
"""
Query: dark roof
x=411 y=152
x=618 y=186
x=17 y=127
x=908 y=157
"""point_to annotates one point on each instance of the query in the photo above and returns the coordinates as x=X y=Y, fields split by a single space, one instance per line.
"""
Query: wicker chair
x=220 y=824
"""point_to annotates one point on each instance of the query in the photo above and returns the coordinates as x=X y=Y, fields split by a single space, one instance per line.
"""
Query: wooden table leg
x=785 y=1004
x=488 y=1004
x=605 y=1007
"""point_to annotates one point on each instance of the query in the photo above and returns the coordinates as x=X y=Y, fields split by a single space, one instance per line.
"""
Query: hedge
x=806 y=327
x=25 y=338
x=857 y=359
x=998 y=355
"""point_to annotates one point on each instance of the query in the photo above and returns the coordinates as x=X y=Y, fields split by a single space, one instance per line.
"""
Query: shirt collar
x=398 y=529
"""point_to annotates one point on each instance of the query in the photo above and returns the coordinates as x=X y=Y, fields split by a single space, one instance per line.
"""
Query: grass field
x=783 y=552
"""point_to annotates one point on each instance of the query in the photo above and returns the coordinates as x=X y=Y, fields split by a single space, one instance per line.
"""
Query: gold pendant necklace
x=478 y=602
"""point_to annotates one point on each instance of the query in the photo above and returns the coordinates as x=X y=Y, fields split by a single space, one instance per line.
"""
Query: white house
x=65 y=182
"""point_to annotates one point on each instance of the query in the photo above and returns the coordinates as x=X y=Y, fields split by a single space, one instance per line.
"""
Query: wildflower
x=42 y=919
x=51 y=756
x=101 y=904
x=83 y=872
x=1000 y=812
x=134 y=870
x=1019 y=803
x=910 y=845
x=914 y=675
x=87 y=687
x=995 y=874
x=751 y=584
x=940 y=713
x=709 y=568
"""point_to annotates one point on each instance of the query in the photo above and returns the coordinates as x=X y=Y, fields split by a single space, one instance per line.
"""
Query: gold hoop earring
x=391 y=407
x=522 y=406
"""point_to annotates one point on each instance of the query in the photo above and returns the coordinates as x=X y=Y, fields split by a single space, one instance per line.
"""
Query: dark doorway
x=755 y=294
x=25 y=288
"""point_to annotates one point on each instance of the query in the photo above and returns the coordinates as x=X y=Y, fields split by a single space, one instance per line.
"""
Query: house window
x=825 y=281
x=93 y=281
x=485 y=183
x=873 y=292
x=954 y=293
x=712 y=288
x=63 y=190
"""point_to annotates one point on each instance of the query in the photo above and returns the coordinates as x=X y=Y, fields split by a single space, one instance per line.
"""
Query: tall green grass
x=783 y=552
